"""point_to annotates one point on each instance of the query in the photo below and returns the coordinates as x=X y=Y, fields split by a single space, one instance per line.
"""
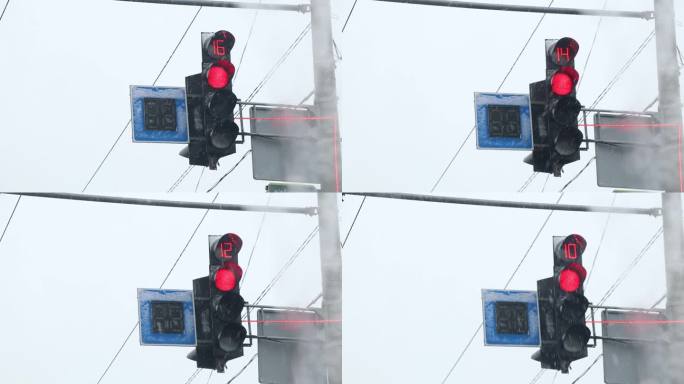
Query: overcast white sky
x=69 y=270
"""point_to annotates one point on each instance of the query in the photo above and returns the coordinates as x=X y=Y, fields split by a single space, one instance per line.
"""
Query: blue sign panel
x=159 y=114
x=167 y=317
x=511 y=318
x=503 y=121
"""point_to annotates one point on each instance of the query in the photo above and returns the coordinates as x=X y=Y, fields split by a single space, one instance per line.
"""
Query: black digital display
x=504 y=121
x=511 y=318
x=167 y=317
x=159 y=114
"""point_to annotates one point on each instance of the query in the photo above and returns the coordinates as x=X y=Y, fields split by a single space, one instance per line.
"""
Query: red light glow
x=217 y=77
x=561 y=84
x=225 y=280
x=569 y=280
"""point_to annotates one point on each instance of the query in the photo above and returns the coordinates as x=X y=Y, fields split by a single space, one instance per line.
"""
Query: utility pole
x=325 y=103
x=671 y=113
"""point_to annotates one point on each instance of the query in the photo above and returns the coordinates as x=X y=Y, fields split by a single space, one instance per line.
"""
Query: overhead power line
x=4 y=9
x=509 y=204
x=153 y=83
x=517 y=58
x=349 y=16
x=522 y=260
x=173 y=266
x=172 y=203
x=9 y=219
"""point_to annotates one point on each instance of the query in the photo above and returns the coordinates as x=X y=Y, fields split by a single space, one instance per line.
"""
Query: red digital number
x=570 y=251
x=562 y=52
x=219 y=49
x=226 y=250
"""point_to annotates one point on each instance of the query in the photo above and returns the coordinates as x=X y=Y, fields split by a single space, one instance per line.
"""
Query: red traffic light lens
x=569 y=280
x=217 y=77
x=572 y=277
x=225 y=279
x=562 y=84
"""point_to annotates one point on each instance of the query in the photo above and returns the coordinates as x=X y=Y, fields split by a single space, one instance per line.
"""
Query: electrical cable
x=527 y=182
x=596 y=254
x=199 y=179
x=9 y=219
x=349 y=15
x=578 y=174
x=256 y=241
x=116 y=355
x=192 y=377
x=229 y=171
x=593 y=42
x=4 y=9
x=153 y=83
x=497 y=90
x=180 y=178
x=479 y=327
x=545 y=181
x=249 y=36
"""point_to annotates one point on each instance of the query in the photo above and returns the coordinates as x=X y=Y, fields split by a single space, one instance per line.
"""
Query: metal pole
x=671 y=113
x=325 y=103
x=169 y=203
x=528 y=8
x=303 y=8
x=508 y=204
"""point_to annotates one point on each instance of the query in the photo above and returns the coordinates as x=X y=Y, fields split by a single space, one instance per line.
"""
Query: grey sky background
x=405 y=84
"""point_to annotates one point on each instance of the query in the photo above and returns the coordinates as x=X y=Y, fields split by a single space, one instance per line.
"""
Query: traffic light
x=218 y=306
x=554 y=110
x=562 y=307
x=211 y=103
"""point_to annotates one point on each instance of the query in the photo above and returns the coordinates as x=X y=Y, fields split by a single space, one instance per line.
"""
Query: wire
x=243 y=368
x=210 y=374
x=578 y=174
x=537 y=376
x=229 y=171
x=603 y=235
x=249 y=36
x=192 y=377
x=545 y=181
x=528 y=181
x=280 y=61
x=588 y=368
x=353 y=221
x=622 y=70
x=10 y=219
x=460 y=356
x=593 y=42
x=199 y=179
x=348 y=16
x=4 y=9
x=111 y=362
x=153 y=83
x=287 y=265
x=256 y=241
x=631 y=266
x=180 y=178
x=479 y=327
x=497 y=90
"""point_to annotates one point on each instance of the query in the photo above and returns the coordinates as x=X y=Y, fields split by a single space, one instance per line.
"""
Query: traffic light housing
x=219 y=305
x=563 y=306
x=211 y=103
x=554 y=110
